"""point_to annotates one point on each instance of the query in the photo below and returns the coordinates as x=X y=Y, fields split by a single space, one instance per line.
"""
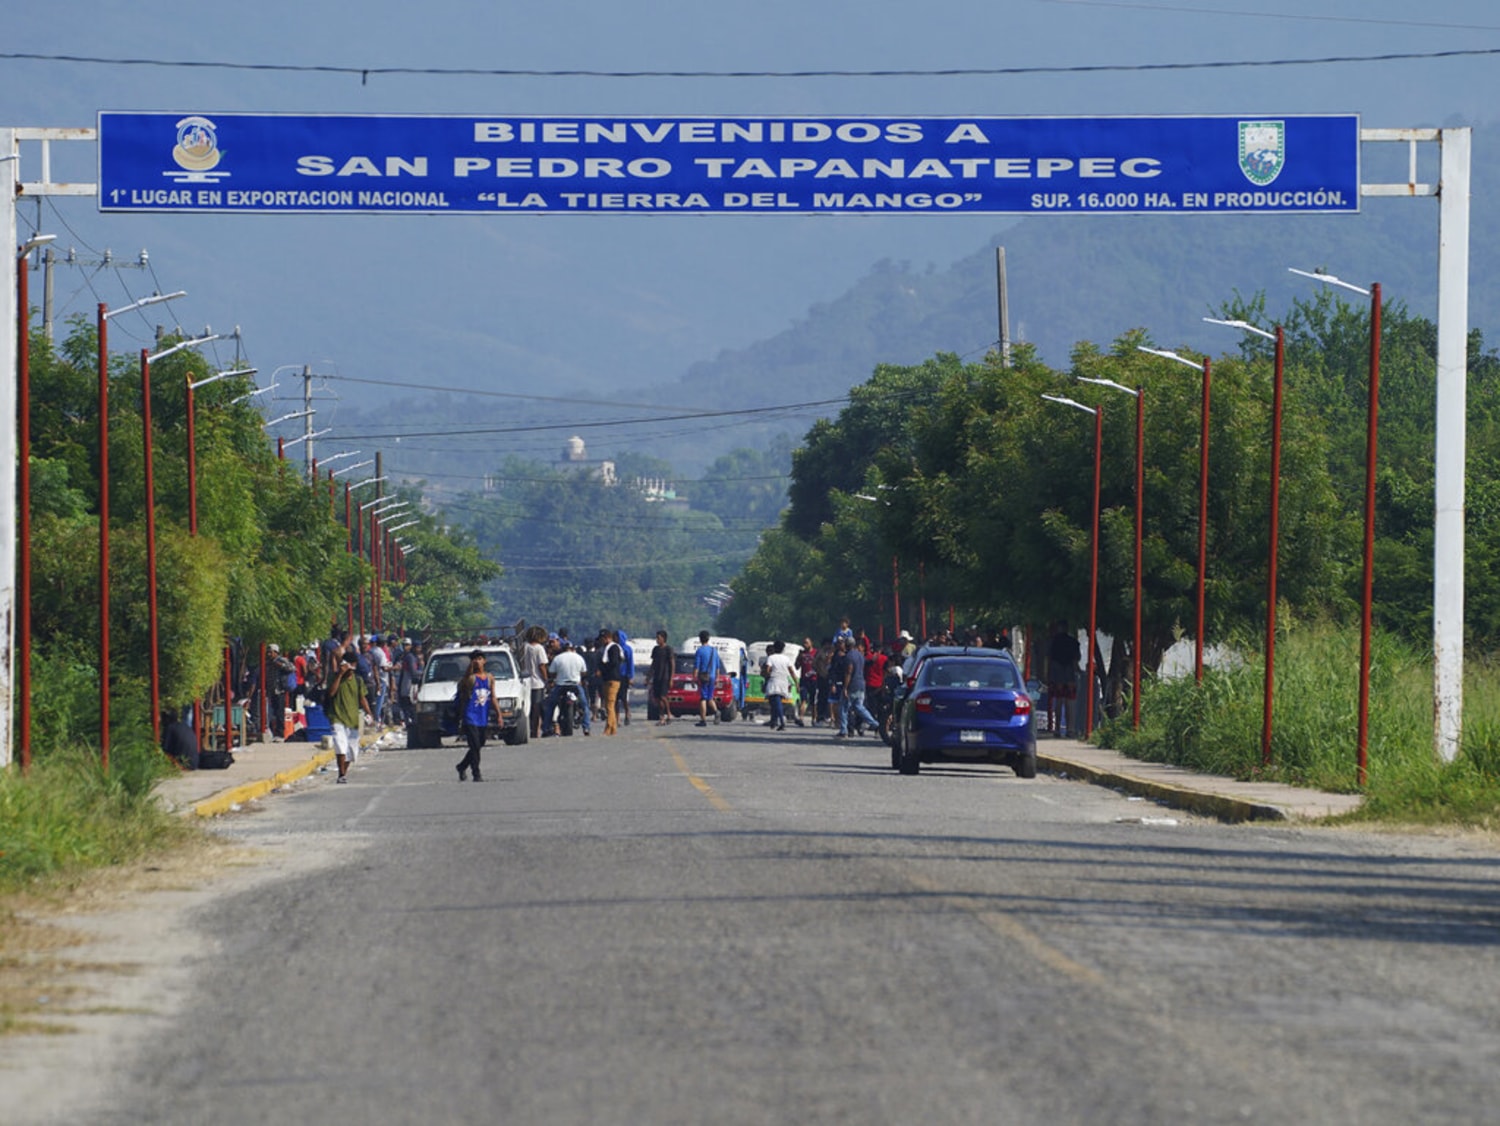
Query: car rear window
x=684 y=663
x=941 y=673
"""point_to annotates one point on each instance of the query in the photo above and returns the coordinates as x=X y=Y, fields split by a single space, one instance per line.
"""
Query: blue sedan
x=967 y=709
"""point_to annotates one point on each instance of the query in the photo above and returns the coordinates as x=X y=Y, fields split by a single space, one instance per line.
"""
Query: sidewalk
x=258 y=769
x=1211 y=795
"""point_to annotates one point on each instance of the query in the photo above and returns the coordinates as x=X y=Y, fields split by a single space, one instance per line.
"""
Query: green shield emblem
x=1262 y=150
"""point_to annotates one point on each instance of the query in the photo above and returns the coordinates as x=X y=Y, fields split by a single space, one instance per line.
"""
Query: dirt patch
x=43 y=976
x=92 y=969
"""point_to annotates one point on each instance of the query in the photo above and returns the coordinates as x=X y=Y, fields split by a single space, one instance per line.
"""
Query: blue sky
x=608 y=303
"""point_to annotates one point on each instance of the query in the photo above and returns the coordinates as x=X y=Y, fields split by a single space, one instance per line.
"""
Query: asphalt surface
x=733 y=926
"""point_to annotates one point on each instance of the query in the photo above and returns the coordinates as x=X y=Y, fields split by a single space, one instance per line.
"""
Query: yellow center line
x=1011 y=928
x=700 y=785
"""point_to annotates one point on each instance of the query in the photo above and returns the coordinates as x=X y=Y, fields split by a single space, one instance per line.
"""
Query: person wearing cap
x=476 y=703
x=346 y=700
x=408 y=680
x=280 y=678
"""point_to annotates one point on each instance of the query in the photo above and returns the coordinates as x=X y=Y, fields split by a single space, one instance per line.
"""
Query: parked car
x=966 y=707
x=902 y=679
x=684 y=697
x=436 y=716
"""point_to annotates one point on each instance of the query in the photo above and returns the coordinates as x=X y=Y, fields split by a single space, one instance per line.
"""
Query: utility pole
x=307 y=424
x=1004 y=298
x=49 y=260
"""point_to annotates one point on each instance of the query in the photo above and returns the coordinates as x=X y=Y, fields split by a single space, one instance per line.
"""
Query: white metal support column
x=11 y=154
x=1453 y=192
x=12 y=187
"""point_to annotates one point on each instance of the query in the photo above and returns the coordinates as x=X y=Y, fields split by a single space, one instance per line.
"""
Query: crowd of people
x=845 y=683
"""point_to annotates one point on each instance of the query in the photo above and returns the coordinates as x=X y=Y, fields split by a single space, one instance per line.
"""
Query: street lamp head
x=221 y=375
x=1071 y=403
x=178 y=347
x=1243 y=326
x=32 y=243
x=1328 y=279
x=289 y=417
x=1167 y=355
x=154 y=299
x=305 y=437
x=1108 y=383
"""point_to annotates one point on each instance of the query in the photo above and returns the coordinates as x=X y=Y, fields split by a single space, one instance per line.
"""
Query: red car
x=684 y=696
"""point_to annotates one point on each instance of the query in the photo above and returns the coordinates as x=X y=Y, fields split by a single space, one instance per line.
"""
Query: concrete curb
x=1221 y=806
x=226 y=800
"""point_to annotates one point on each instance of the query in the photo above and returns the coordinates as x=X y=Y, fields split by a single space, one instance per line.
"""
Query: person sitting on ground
x=179 y=742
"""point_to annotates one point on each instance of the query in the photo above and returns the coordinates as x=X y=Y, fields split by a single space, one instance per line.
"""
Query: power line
x=474 y=430
x=1189 y=10
x=366 y=72
x=572 y=401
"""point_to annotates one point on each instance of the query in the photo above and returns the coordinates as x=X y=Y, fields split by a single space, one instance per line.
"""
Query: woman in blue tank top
x=476 y=701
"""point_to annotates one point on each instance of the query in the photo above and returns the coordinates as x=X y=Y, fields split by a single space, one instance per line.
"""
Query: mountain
x=1070 y=278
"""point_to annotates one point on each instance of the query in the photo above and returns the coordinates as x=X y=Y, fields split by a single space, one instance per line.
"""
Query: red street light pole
x=147 y=359
x=1140 y=482
x=1202 y=496
x=1279 y=336
x=103 y=348
x=1367 y=596
x=1098 y=413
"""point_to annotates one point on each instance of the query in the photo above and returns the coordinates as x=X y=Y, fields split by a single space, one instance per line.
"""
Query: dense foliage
x=268 y=563
x=960 y=482
x=581 y=554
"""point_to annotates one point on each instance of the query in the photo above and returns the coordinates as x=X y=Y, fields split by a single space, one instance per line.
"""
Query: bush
x=1215 y=726
x=68 y=813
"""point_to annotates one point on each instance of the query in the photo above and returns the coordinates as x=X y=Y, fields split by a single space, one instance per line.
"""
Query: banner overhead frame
x=246 y=162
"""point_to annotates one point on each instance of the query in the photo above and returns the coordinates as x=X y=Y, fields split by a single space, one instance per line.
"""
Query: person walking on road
x=663 y=659
x=779 y=673
x=476 y=703
x=853 y=693
x=611 y=666
x=706 y=669
x=346 y=700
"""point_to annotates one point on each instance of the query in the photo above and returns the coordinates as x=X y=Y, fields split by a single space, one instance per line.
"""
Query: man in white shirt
x=568 y=668
x=534 y=674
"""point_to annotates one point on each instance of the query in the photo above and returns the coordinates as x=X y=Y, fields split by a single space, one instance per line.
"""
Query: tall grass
x=1215 y=726
x=67 y=813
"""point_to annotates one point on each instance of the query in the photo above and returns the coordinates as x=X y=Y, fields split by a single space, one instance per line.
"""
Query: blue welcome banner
x=249 y=162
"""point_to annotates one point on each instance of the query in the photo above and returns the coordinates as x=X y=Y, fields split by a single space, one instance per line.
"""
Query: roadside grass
x=69 y=832
x=1215 y=727
x=67 y=815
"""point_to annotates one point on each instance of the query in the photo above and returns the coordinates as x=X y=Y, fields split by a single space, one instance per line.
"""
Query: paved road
x=685 y=925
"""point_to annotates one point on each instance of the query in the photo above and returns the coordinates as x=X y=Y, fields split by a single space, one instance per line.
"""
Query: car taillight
x=1023 y=705
x=922 y=703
